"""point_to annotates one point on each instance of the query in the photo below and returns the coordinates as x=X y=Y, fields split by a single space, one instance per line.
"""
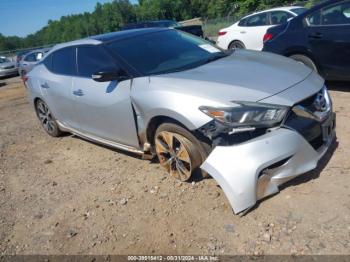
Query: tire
x=47 y=120
x=305 y=60
x=236 y=45
x=180 y=152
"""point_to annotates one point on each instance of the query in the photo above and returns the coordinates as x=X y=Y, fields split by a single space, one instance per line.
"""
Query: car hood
x=7 y=64
x=243 y=76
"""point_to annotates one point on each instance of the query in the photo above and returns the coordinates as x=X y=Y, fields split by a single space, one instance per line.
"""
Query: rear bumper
x=253 y=170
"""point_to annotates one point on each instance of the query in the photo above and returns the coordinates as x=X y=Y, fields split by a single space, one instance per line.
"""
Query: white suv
x=249 y=31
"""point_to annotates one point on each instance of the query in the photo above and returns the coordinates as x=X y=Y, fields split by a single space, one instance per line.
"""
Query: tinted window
x=63 y=61
x=92 y=59
x=338 y=14
x=257 y=20
x=4 y=60
x=30 y=58
x=48 y=62
x=242 y=22
x=299 y=10
x=280 y=17
x=165 y=51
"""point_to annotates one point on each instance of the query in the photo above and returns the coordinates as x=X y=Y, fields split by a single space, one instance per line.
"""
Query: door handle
x=45 y=85
x=78 y=92
x=316 y=36
x=243 y=32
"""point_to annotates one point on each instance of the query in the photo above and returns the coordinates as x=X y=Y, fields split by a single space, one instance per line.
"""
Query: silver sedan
x=7 y=67
x=250 y=120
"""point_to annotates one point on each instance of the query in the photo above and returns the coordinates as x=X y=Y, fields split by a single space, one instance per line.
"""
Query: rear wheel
x=179 y=151
x=47 y=120
x=305 y=61
x=236 y=45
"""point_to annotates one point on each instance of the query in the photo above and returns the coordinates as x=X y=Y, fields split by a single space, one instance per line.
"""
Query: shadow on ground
x=338 y=86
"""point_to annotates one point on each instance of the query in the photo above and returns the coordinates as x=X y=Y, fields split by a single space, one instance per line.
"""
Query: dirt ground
x=70 y=196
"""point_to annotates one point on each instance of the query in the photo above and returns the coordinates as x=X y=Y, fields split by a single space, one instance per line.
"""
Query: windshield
x=299 y=10
x=4 y=60
x=165 y=52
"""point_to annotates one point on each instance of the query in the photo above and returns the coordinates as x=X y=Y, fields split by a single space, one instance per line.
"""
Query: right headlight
x=248 y=114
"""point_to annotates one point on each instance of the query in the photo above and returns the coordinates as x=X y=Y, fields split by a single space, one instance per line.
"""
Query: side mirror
x=110 y=75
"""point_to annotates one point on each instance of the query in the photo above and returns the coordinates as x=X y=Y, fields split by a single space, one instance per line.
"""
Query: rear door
x=57 y=85
x=104 y=108
x=253 y=32
x=27 y=63
x=328 y=32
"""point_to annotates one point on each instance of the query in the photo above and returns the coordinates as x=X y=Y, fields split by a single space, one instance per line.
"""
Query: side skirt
x=100 y=140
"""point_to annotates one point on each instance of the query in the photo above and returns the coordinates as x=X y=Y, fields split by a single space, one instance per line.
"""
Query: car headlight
x=248 y=114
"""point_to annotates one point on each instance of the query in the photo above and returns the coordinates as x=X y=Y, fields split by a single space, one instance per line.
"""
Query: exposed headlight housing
x=247 y=114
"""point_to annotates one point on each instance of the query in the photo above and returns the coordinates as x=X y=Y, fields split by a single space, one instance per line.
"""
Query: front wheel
x=179 y=151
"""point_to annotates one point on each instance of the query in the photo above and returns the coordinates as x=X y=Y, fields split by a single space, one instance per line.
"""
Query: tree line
x=112 y=16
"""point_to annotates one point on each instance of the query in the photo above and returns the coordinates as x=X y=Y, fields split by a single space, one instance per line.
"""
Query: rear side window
x=337 y=14
x=258 y=20
x=92 y=59
x=280 y=17
x=243 y=22
x=30 y=58
x=63 y=61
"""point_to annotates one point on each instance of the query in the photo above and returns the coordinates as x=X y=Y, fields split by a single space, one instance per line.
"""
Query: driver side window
x=338 y=14
x=92 y=59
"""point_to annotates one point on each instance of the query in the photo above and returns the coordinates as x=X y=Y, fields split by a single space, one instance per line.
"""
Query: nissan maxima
x=250 y=120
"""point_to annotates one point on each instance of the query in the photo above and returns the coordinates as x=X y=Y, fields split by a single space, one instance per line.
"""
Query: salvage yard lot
x=69 y=196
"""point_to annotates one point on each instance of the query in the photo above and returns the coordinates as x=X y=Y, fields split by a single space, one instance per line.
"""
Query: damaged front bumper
x=254 y=169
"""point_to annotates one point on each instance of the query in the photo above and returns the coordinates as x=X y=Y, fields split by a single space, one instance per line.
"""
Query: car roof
x=103 y=38
x=126 y=34
x=283 y=8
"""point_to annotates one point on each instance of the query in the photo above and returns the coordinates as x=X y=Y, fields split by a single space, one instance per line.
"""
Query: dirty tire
x=236 y=45
x=47 y=120
x=179 y=151
x=305 y=60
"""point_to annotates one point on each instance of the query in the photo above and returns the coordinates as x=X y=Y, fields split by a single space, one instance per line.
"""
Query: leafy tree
x=112 y=16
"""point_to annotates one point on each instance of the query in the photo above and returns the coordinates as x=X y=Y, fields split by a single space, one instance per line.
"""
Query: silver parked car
x=250 y=120
x=7 y=67
x=28 y=61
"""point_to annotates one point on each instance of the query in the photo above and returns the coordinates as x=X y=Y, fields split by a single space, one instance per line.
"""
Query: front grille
x=309 y=128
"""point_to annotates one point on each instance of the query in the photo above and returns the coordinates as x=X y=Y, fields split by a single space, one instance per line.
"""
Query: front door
x=104 y=108
x=253 y=32
x=329 y=39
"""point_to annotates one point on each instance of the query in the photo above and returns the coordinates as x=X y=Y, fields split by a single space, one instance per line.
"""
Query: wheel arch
x=156 y=121
x=236 y=40
x=303 y=51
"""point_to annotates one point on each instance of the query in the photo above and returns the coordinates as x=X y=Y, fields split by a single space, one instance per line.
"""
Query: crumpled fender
x=237 y=168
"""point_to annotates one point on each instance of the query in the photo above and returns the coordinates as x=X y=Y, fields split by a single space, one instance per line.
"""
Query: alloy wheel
x=174 y=153
x=45 y=117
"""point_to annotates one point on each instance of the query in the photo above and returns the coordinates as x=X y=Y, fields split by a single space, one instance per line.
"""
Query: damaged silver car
x=250 y=120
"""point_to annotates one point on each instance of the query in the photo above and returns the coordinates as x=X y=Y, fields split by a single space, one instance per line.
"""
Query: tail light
x=221 y=33
x=25 y=79
x=267 y=37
